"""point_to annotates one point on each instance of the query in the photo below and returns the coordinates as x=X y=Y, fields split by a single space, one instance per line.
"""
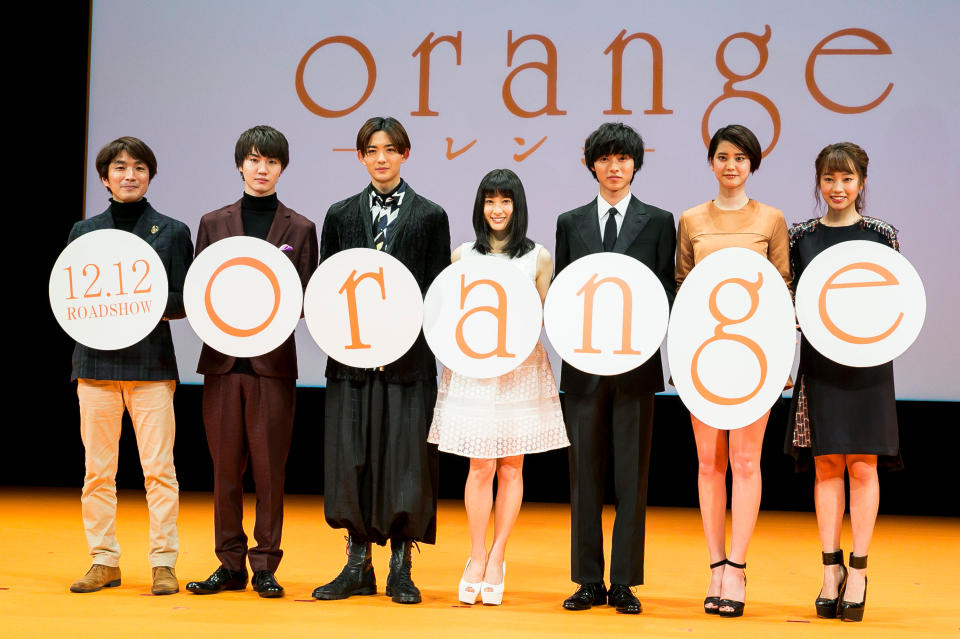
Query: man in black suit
x=380 y=475
x=614 y=412
x=248 y=403
x=141 y=378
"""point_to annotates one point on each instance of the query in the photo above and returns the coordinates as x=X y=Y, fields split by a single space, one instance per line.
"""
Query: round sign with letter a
x=860 y=303
x=732 y=338
x=108 y=289
x=606 y=313
x=243 y=296
x=363 y=308
x=482 y=317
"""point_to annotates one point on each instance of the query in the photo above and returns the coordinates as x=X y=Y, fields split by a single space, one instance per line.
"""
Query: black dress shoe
x=586 y=596
x=400 y=586
x=266 y=584
x=621 y=598
x=356 y=578
x=221 y=579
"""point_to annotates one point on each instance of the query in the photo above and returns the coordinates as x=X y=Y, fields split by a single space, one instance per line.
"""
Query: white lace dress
x=515 y=414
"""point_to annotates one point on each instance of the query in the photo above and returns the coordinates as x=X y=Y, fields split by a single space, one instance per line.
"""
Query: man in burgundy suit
x=248 y=403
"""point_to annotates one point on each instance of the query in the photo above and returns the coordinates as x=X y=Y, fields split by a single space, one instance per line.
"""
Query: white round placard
x=732 y=338
x=243 y=296
x=482 y=317
x=860 y=303
x=606 y=313
x=363 y=308
x=108 y=289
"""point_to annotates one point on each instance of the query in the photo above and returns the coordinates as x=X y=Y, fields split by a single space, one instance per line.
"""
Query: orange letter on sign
x=753 y=289
x=218 y=321
x=882 y=48
x=888 y=280
x=500 y=312
x=548 y=68
x=588 y=290
x=424 y=50
x=350 y=286
x=616 y=74
x=364 y=52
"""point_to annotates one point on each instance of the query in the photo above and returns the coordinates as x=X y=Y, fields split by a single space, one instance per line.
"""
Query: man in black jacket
x=141 y=378
x=613 y=412
x=380 y=476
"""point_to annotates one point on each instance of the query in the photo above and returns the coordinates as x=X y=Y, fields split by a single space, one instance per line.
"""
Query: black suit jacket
x=152 y=358
x=420 y=239
x=289 y=227
x=647 y=234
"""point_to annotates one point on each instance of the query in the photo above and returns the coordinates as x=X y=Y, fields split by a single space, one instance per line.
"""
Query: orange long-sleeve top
x=706 y=228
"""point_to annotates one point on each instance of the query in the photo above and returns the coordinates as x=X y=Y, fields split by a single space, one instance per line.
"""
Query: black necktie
x=610 y=231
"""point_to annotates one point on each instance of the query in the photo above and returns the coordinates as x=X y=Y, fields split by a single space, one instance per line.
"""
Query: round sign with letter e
x=108 y=289
x=860 y=303
x=243 y=296
x=363 y=308
x=606 y=313
x=482 y=317
x=732 y=338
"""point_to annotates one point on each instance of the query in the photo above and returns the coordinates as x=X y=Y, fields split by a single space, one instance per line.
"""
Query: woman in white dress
x=495 y=422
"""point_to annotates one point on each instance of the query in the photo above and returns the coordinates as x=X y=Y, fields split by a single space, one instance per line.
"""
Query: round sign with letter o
x=108 y=289
x=732 y=338
x=860 y=303
x=606 y=313
x=243 y=296
x=363 y=308
x=482 y=317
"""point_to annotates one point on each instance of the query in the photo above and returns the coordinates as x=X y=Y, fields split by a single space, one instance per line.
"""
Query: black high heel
x=736 y=607
x=713 y=600
x=827 y=608
x=850 y=611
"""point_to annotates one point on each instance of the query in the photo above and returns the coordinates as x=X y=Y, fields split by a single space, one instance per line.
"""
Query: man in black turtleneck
x=141 y=378
x=248 y=403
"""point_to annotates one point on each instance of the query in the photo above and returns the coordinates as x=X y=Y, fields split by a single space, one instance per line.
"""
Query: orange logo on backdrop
x=350 y=286
x=753 y=289
x=588 y=290
x=889 y=279
x=499 y=311
x=218 y=321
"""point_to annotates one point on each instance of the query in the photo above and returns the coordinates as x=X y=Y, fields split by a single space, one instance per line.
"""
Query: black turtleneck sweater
x=127 y=214
x=257 y=214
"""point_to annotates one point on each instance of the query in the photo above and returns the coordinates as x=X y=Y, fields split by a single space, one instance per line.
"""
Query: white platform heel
x=492 y=594
x=468 y=596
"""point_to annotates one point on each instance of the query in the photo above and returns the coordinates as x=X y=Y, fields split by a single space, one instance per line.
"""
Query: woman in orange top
x=732 y=219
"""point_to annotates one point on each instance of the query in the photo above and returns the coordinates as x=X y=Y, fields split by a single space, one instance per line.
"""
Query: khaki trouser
x=151 y=410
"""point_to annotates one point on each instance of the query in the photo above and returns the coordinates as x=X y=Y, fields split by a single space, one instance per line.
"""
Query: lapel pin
x=154 y=229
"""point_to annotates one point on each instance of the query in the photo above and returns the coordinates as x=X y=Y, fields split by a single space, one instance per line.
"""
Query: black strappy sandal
x=827 y=608
x=714 y=600
x=736 y=607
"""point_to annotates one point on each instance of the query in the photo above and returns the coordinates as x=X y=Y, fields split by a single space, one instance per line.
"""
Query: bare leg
x=864 y=502
x=712 y=485
x=829 y=499
x=745 y=446
x=478 y=499
x=509 y=498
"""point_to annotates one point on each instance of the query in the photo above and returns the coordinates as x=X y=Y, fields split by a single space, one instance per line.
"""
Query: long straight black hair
x=505 y=183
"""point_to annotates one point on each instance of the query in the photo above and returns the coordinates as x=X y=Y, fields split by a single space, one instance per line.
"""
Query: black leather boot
x=357 y=576
x=400 y=587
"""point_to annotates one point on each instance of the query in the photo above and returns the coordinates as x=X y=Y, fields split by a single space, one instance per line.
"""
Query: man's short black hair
x=267 y=141
x=137 y=149
x=614 y=138
x=395 y=133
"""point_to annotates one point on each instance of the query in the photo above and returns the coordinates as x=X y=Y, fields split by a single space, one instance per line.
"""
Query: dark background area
x=42 y=444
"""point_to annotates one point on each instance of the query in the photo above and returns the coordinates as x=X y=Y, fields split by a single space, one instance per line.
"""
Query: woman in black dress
x=844 y=416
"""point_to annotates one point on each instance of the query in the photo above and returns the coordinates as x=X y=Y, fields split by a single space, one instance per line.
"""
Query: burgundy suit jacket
x=289 y=227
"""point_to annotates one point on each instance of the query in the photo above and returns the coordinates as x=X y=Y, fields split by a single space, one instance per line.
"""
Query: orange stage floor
x=914 y=564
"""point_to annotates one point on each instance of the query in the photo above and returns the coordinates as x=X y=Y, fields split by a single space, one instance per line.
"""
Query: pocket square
x=286 y=248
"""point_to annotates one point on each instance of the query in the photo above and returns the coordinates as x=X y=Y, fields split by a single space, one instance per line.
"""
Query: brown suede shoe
x=99 y=576
x=164 y=581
